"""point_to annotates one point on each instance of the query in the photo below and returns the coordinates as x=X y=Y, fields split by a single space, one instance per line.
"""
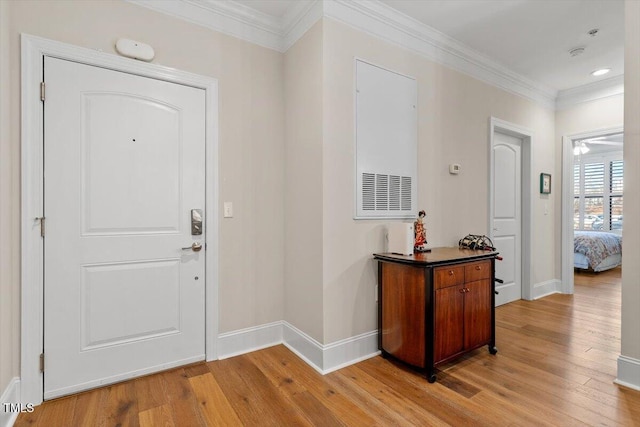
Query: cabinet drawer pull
x=478 y=268
x=462 y=291
x=450 y=272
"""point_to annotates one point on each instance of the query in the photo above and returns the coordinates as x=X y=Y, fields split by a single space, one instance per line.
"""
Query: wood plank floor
x=555 y=366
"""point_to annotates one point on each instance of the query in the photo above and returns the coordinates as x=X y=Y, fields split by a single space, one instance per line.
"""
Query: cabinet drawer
x=448 y=276
x=477 y=271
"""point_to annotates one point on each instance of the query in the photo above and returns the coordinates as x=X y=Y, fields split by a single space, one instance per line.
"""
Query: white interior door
x=124 y=167
x=507 y=214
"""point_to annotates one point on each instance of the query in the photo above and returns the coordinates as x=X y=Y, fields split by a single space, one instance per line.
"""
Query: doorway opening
x=592 y=204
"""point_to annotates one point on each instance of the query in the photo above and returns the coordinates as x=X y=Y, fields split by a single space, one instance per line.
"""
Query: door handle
x=195 y=247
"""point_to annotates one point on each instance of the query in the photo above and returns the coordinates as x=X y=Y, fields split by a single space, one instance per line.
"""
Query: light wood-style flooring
x=555 y=366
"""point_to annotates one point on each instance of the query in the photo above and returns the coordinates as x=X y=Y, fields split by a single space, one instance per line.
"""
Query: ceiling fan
x=615 y=140
x=582 y=146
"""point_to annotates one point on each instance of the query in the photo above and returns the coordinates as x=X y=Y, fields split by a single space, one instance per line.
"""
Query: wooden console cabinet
x=435 y=306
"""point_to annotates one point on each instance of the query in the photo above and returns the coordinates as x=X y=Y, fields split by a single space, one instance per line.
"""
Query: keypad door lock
x=196 y=222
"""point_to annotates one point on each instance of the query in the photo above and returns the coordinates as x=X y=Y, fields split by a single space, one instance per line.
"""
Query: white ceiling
x=529 y=37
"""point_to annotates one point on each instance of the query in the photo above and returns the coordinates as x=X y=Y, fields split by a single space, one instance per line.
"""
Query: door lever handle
x=195 y=247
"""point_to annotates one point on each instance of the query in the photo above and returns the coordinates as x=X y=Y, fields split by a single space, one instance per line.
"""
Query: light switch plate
x=228 y=209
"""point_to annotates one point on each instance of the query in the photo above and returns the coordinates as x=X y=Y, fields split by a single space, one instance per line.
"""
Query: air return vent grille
x=386 y=143
x=394 y=193
x=386 y=193
x=368 y=191
x=407 y=190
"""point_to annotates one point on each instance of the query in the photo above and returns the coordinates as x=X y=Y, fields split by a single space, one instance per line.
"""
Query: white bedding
x=597 y=250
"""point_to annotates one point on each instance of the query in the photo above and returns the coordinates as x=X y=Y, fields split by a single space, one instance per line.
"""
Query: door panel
x=140 y=317
x=507 y=207
x=124 y=166
x=477 y=320
x=123 y=153
x=449 y=316
x=506 y=245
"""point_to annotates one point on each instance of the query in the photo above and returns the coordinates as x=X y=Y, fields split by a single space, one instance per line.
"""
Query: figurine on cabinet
x=420 y=243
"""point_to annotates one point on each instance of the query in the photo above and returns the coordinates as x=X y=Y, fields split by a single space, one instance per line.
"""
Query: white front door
x=124 y=166
x=507 y=207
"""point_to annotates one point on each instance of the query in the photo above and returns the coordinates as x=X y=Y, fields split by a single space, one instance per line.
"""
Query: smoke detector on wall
x=134 y=49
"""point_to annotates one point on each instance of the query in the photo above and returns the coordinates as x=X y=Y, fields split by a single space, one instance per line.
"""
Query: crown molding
x=590 y=92
x=370 y=16
x=240 y=13
x=243 y=22
x=227 y=17
x=382 y=21
x=299 y=19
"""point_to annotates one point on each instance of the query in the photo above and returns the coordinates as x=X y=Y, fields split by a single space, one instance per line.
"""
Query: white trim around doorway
x=34 y=49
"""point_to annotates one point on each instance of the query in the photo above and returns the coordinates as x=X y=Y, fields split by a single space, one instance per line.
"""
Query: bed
x=596 y=250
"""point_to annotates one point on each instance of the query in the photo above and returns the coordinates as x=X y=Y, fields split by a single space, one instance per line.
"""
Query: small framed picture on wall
x=545 y=183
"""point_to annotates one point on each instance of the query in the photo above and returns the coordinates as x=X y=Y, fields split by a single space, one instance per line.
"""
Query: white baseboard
x=10 y=395
x=628 y=372
x=352 y=350
x=307 y=348
x=543 y=289
x=330 y=357
x=322 y=358
x=250 y=339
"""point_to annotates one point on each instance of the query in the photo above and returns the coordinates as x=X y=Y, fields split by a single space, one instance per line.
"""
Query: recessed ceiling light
x=600 y=72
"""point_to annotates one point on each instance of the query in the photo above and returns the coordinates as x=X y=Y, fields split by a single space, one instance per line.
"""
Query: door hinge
x=41 y=91
x=41 y=219
x=41 y=362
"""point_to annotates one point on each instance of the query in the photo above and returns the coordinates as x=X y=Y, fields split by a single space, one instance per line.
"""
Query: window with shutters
x=597 y=188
